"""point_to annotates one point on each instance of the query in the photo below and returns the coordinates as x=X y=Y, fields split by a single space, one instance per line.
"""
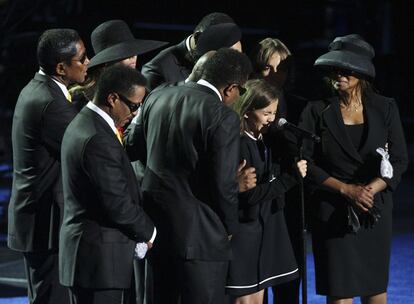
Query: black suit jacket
x=190 y=187
x=40 y=118
x=336 y=155
x=103 y=219
x=170 y=65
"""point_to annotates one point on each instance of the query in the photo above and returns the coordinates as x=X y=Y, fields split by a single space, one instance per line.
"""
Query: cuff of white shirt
x=154 y=234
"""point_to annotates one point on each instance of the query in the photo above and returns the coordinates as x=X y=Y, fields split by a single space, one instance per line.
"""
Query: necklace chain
x=353 y=107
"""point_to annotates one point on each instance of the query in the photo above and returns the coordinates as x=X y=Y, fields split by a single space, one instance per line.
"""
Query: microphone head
x=281 y=122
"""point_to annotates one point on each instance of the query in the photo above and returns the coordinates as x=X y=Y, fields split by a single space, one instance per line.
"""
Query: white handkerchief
x=386 y=169
x=140 y=250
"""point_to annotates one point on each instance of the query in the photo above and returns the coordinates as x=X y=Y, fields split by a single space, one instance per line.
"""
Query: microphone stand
x=303 y=228
x=300 y=135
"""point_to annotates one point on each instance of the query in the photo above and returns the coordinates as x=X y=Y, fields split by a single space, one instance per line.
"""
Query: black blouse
x=356 y=133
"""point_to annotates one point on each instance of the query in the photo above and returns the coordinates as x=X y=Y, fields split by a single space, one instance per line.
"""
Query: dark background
x=306 y=27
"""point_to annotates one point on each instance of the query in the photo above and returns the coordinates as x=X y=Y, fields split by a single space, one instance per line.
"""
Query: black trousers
x=140 y=283
x=79 y=295
x=42 y=271
x=288 y=292
x=178 y=281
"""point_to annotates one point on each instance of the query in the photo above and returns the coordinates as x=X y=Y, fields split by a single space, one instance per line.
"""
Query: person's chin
x=264 y=129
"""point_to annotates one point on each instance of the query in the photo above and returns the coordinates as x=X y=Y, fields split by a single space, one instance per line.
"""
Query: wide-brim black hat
x=113 y=41
x=349 y=52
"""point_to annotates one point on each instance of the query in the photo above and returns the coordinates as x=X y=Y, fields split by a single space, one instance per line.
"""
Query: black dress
x=353 y=254
x=262 y=252
x=352 y=264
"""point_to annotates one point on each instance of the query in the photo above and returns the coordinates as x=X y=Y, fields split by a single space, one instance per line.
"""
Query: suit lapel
x=370 y=120
x=333 y=119
x=182 y=61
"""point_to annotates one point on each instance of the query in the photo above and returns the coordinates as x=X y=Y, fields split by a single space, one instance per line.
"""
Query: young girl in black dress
x=262 y=252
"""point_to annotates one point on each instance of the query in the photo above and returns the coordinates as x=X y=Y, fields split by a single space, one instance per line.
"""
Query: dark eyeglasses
x=342 y=72
x=242 y=89
x=131 y=105
x=82 y=59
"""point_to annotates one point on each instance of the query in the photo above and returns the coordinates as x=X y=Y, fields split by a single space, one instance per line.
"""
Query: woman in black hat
x=355 y=169
x=113 y=43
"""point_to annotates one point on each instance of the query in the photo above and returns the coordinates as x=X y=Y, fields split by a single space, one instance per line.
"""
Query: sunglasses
x=133 y=107
x=82 y=59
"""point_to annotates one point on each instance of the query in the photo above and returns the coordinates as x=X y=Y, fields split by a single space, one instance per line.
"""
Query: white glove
x=140 y=250
x=386 y=167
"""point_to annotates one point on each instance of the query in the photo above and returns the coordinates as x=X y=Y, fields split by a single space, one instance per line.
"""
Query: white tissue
x=140 y=250
x=386 y=167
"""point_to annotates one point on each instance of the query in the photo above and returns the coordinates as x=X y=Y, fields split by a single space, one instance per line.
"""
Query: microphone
x=283 y=124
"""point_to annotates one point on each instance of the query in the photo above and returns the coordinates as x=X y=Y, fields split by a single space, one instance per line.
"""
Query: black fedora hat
x=113 y=40
x=349 y=52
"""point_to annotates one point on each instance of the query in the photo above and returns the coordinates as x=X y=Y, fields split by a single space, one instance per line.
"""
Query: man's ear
x=228 y=89
x=60 y=69
x=111 y=99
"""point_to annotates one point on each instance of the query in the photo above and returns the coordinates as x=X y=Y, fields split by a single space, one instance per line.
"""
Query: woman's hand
x=359 y=195
x=302 y=167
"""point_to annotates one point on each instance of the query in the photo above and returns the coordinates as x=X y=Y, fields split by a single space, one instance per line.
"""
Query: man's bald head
x=199 y=66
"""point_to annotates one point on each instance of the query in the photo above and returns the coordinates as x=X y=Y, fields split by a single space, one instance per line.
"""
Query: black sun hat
x=349 y=52
x=113 y=40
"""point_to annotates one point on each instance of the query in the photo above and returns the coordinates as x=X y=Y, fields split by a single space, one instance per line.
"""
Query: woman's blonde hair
x=264 y=51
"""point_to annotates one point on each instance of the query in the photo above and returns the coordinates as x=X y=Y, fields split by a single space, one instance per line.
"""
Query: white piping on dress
x=271 y=278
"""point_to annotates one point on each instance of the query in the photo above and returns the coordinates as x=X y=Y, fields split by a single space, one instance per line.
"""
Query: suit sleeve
x=103 y=161
x=134 y=140
x=55 y=119
x=152 y=73
x=268 y=191
x=308 y=121
x=397 y=147
x=264 y=191
x=224 y=149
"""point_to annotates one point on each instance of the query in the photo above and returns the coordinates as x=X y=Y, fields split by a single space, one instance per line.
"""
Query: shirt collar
x=103 y=114
x=187 y=43
x=61 y=85
x=254 y=138
x=209 y=85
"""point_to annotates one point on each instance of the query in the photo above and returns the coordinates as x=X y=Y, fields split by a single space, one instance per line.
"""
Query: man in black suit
x=103 y=219
x=175 y=63
x=41 y=116
x=190 y=187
